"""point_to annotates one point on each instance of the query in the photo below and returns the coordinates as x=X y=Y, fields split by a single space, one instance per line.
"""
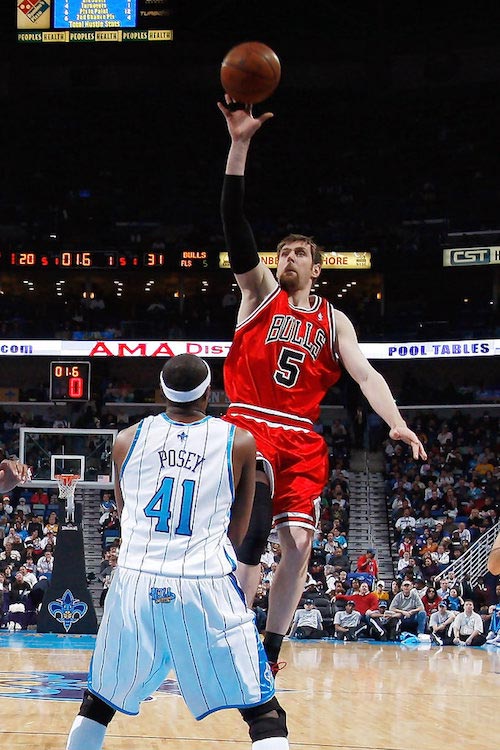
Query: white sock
x=85 y=734
x=271 y=743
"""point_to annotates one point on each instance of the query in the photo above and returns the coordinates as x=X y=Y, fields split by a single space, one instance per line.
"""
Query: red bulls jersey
x=283 y=358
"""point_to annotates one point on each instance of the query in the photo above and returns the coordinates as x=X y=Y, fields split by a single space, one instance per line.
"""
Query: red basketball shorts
x=297 y=457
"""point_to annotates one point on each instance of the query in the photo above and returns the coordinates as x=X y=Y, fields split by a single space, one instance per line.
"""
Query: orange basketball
x=250 y=72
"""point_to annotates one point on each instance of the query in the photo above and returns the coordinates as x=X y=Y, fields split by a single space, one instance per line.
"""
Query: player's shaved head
x=184 y=372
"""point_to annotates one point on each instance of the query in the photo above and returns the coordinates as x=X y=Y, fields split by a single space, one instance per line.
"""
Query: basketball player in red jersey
x=287 y=351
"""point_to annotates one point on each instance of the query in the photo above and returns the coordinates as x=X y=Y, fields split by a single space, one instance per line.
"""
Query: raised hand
x=241 y=123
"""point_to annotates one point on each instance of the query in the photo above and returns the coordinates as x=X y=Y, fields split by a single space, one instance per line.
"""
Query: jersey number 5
x=288 y=370
x=159 y=506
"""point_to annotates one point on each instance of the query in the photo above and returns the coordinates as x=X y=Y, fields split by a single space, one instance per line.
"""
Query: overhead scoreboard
x=94 y=21
x=169 y=259
x=104 y=259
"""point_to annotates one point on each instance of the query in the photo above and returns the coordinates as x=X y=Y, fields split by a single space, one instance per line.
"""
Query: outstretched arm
x=12 y=473
x=373 y=385
x=254 y=279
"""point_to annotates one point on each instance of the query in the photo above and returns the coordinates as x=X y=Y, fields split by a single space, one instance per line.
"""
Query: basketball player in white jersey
x=184 y=489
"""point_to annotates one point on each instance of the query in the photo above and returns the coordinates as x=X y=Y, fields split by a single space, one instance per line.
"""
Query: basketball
x=250 y=72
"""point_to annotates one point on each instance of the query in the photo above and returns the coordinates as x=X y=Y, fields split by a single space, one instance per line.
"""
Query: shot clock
x=69 y=381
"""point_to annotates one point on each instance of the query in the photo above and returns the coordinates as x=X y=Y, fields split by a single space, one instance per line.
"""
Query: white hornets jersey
x=177 y=487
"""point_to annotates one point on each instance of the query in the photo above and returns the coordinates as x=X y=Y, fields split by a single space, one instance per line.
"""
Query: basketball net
x=67 y=487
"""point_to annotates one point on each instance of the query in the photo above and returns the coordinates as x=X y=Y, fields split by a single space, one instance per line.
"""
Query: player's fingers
x=418 y=450
x=227 y=105
x=224 y=108
x=265 y=116
x=232 y=102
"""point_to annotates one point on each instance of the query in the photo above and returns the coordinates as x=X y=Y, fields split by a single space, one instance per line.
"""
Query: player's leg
x=224 y=664
x=254 y=543
x=89 y=727
x=287 y=586
x=132 y=654
x=302 y=471
x=267 y=726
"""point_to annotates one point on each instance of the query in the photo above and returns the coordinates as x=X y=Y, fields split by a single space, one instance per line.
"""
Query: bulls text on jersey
x=288 y=329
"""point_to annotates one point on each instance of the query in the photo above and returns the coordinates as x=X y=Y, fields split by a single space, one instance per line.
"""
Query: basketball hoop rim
x=67 y=479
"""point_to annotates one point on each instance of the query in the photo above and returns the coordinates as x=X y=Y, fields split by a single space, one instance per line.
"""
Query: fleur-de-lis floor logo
x=67 y=610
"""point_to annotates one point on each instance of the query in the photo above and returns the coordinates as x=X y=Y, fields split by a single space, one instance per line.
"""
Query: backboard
x=50 y=451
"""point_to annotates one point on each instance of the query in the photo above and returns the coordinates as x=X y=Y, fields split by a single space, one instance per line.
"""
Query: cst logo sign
x=471 y=256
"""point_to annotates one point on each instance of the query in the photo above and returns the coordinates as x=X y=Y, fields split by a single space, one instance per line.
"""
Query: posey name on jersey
x=181 y=458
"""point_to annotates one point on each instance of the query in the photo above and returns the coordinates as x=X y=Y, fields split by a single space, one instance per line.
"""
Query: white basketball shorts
x=199 y=627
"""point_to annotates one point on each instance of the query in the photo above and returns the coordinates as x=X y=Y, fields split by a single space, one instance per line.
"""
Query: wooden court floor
x=347 y=696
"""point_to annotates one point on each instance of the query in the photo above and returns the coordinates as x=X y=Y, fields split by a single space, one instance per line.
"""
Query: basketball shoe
x=277 y=666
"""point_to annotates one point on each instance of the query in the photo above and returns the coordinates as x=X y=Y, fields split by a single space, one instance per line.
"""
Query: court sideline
x=346 y=696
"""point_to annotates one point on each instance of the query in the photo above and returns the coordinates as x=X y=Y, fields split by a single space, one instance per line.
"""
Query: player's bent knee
x=266 y=720
x=94 y=708
x=250 y=550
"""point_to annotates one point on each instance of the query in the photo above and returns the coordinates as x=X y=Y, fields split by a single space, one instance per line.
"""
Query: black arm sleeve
x=240 y=242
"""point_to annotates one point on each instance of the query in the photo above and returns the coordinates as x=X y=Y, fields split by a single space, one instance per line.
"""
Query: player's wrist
x=398 y=424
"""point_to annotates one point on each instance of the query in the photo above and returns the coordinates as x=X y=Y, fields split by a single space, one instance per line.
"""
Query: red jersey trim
x=260 y=414
x=294 y=519
x=257 y=310
x=304 y=520
x=298 y=516
x=313 y=307
x=333 y=331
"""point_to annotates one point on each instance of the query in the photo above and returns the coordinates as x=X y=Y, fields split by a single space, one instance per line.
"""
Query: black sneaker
x=436 y=639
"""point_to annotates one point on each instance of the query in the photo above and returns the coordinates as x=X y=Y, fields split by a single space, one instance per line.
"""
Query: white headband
x=183 y=397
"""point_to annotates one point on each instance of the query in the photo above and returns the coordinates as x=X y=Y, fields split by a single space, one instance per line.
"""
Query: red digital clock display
x=104 y=260
x=64 y=259
x=69 y=381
